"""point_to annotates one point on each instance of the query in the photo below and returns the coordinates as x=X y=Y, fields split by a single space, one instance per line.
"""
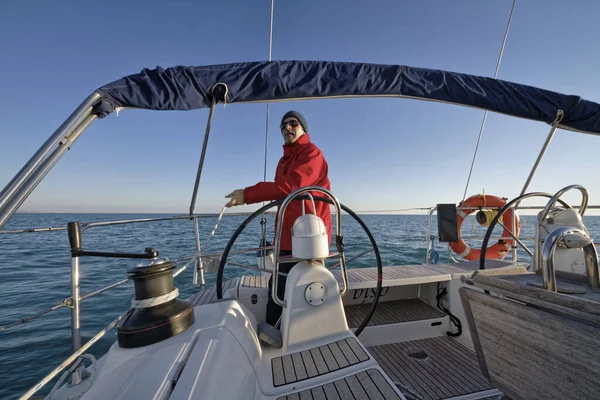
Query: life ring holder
x=499 y=249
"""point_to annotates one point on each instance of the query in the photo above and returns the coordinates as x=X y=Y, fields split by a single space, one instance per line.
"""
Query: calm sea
x=35 y=275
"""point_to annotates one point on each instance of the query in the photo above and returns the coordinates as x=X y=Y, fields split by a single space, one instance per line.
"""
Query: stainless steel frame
x=559 y=116
x=432 y=210
x=75 y=299
x=556 y=238
x=74 y=120
x=277 y=242
x=26 y=180
x=202 y=155
x=198 y=265
x=542 y=216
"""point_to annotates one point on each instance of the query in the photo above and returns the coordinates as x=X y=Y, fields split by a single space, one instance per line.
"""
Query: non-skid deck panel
x=466 y=268
x=318 y=361
x=255 y=281
x=392 y=312
x=449 y=370
x=361 y=278
x=209 y=294
x=365 y=385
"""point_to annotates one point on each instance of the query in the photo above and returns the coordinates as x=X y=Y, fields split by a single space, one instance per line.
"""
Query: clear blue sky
x=383 y=154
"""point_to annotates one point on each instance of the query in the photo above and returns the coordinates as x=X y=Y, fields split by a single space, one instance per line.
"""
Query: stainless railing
x=76 y=298
x=520 y=240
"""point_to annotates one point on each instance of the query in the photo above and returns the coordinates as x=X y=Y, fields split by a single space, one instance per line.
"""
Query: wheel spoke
x=352 y=258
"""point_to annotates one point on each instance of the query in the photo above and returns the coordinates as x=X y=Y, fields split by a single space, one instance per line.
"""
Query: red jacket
x=302 y=164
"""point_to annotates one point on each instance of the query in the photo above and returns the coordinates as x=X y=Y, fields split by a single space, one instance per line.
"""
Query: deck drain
x=417 y=354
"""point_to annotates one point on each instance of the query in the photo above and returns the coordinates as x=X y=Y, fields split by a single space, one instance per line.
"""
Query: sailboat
x=485 y=328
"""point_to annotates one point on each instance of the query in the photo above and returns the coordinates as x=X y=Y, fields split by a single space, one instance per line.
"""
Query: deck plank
x=208 y=294
x=295 y=367
x=331 y=392
x=343 y=389
x=383 y=386
x=329 y=359
x=365 y=385
x=318 y=393
x=299 y=366
x=305 y=395
x=361 y=278
x=358 y=351
x=348 y=353
x=338 y=355
x=288 y=369
x=356 y=388
x=309 y=364
x=369 y=386
x=319 y=361
x=277 y=368
x=450 y=369
x=401 y=372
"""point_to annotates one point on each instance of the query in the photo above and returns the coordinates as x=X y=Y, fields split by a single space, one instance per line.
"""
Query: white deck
x=405 y=275
x=449 y=371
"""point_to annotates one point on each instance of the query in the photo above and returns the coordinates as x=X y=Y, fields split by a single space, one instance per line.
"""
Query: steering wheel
x=488 y=233
x=339 y=240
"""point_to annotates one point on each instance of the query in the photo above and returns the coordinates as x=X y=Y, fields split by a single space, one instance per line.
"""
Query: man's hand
x=237 y=198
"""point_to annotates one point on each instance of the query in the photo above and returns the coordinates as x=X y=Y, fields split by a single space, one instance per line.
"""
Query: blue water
x=35 y=275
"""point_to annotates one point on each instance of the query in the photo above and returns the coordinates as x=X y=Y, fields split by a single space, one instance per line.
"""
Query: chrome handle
x=557 y=237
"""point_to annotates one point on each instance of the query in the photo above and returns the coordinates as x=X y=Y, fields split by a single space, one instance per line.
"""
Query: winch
x=157 y=314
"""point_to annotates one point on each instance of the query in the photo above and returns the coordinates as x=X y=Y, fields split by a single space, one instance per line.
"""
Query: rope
x=486 y=112
x=155 y=301
x=483 y=216
x=489 y=216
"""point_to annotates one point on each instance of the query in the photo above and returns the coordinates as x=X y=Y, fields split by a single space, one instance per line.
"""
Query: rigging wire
x=486 y=112
x=263 y=219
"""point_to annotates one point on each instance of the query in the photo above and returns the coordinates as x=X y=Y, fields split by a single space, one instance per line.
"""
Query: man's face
x=291 y=130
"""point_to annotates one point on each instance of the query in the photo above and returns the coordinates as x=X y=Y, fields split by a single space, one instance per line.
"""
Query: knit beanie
x=298 y=116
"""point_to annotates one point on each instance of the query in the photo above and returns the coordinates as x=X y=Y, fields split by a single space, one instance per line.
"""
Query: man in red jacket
x=302 y=164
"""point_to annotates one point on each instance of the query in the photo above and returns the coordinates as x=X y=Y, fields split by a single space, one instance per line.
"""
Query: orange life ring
x=502 y=246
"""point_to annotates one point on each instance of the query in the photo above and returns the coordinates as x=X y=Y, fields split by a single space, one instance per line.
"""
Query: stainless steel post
x=429 y=226
x=199 y=266
x=515 y=227
x=70 y=123
x=39 y=171
x=559 y=117
x=75 y=322
x=202 y=154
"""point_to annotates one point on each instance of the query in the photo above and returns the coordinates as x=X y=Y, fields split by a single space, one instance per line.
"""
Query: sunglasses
x=293 y=123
